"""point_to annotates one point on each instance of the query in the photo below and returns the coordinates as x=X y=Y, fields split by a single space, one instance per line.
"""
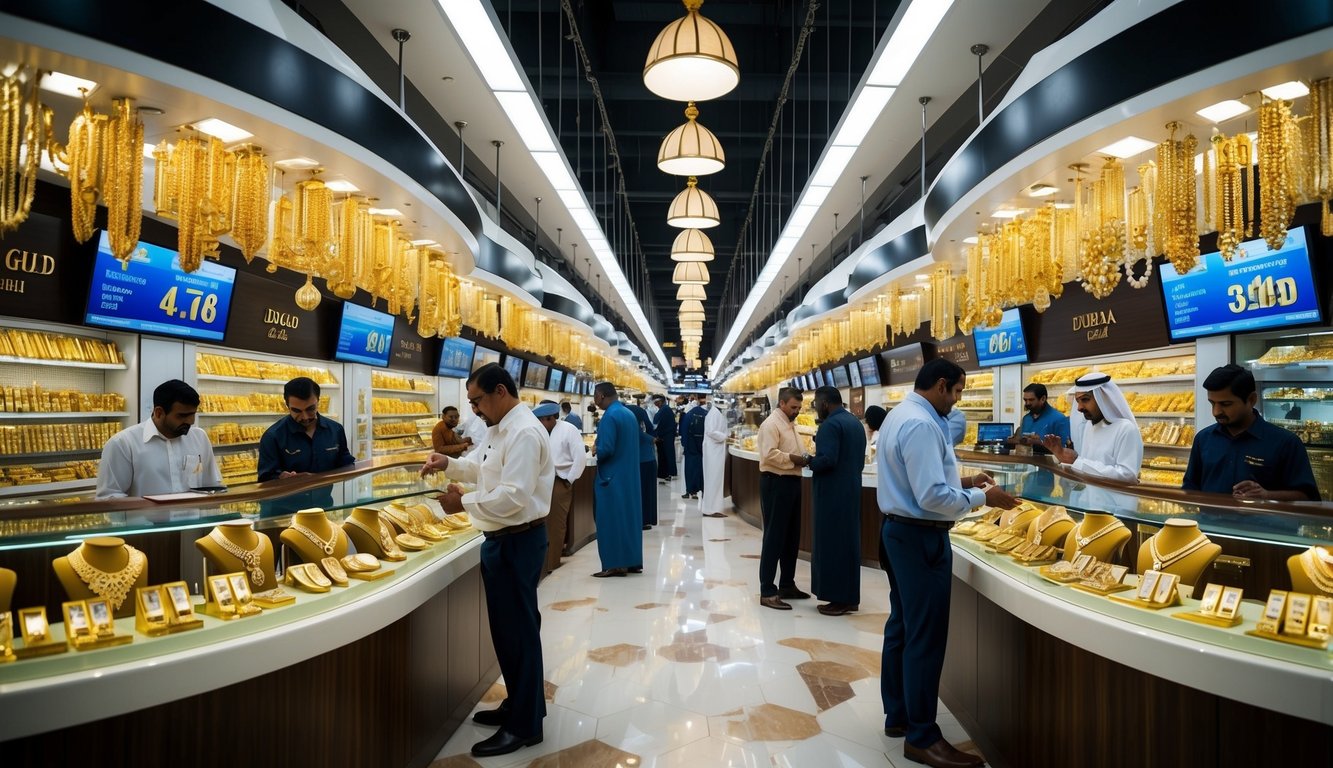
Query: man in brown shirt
x=444 y=439
x=780 y=460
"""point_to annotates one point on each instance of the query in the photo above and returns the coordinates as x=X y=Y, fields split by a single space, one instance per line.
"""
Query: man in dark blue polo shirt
x=1040 y=420
x=1242 y=454
x=303 y=441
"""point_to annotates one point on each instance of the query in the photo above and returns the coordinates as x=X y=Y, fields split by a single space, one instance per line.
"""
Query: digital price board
x=456 y=357
x=869 y=370
x=1004 y=344
x=840 y=379
x=484 y=356
x=557 y=380
x=1258 y=289
x=515 y=367
x=153 y=295
x=365 y=336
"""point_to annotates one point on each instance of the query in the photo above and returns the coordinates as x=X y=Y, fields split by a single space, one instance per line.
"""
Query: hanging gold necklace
x=21 y=147
x=327 y=546
x=252 y=558
x=122 y=179
x=1160 y=561
x=83 y=152
x=1319 y=150
x=1276 y=194
x=113 y=586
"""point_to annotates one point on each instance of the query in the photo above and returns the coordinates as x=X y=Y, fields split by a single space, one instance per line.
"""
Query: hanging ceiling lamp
x=694 y=325
x=693 y=207
x=692 y=59
x=691 y=149
x=691 y=291
x=690 y=272
x=691 y=306
x=692 y=245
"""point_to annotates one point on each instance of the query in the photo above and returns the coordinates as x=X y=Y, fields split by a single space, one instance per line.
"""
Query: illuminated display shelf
x=63 y=363
x=244 y=380
x=7 y=416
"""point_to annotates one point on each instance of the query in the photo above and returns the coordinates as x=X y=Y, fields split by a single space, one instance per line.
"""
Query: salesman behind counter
x=303 y=441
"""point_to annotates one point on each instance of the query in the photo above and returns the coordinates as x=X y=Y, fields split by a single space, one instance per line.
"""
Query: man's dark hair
x=937 y=369
x=830 y=395
x=1037 y=390
x=446 y=410
x=787 y=393
x=301 y=388
x=168 y=393
x=1232 y=377
x=490 y=376
x=606 y=389
x=659 y=399
x=875 y=416
x=565 y=406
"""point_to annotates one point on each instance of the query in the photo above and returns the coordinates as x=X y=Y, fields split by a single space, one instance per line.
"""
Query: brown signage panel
x=265 y=318
x=858 y=402
x=960 y=350
x=44 y=272
x=1078 y=325
x=410 y=351
x=902 y=363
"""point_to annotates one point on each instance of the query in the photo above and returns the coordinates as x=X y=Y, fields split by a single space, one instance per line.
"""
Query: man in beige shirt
x=780 y=460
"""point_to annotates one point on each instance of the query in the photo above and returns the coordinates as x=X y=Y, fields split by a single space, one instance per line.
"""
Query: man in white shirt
x=714 y=459
x=570 y=459
x=474 y=430
x=162 y=454
x=1107 y=442
x=513 y=481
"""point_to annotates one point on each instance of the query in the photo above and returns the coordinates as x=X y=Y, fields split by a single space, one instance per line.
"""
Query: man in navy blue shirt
x=1242 y=454
x=303 y=441
x=1040 y=420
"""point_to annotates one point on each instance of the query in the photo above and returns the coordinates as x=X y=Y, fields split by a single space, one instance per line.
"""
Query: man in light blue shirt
x=921 y=494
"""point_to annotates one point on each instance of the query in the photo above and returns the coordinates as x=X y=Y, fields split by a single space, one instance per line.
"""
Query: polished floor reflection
x=681 y=666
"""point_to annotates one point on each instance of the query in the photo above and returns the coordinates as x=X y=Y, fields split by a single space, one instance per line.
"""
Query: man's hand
x=436 y=463
x=451 y=500
x=798 y=459
x=980 y=479
x=999 y=497
x=1248 y=489
x=285 y=475
x=467 y=441
x=1053 y=444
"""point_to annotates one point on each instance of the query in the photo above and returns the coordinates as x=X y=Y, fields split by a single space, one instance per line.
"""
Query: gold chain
x=1319 y=152
x=250 y=200
x=122 y=179
x=21 y=147
x=1276 y=193
x=251 y=558
x=1160 y=561
x=1317 y=568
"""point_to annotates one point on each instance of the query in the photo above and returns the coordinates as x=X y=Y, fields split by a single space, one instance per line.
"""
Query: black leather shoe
x=792 y=593
x=647 y=527
x=685 y=496
x=636 y=569
x=837 y=609
x=941 y=754
x=493 y=717
x=774 y=602
x=502 y=743
x=714 y=514
x=610 y=572
x=895 y=731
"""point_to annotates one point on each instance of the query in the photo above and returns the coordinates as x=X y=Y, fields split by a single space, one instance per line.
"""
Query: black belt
x=521 y=527
x=775 y=474
x=946 y=525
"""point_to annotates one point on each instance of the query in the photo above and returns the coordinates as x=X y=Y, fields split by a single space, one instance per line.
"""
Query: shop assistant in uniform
x=1107 y=442
x=513 y=473
x=162 y=454
x=303 y=441
x=1242 y=454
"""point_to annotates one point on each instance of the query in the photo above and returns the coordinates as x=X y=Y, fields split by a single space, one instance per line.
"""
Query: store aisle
x=680 y=666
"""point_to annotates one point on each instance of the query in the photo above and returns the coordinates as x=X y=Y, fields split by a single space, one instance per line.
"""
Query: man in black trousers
x=780 y=462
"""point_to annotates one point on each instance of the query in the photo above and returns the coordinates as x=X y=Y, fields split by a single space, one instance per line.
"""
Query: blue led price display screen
x=1257 y=289
x=1004 y=344
x=153 y=295
x=365 y=336
x=456 y=357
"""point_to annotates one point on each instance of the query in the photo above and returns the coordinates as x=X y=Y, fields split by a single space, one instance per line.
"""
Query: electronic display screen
x=535 y=375
x=994 y=432
x=840 y=377
x=869 y=367
x=483 y=356
x=557 y=380
x=854 y=372
x=153 y=294
x=515 y=367
x=1004 y=344
x=456 y=357
x=1258 y=289
x=365 y=335
x=571 y=384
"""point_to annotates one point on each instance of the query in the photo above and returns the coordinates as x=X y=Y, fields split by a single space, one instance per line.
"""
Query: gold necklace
x=250 y=557
x=1084 y=541
x=113 y=586
x=1318 y=570
x=1276 y=194
x=1040 y=529
x=1160 y=561
x=327 y=546
x=18 y=173
x=383 y=536
x=122 y=179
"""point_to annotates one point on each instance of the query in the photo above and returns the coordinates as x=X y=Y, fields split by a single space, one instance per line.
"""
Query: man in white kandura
x=1106 y=440
x=715 y=460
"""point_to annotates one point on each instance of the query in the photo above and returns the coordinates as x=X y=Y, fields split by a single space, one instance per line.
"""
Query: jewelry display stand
x=235 y=546
x=88 y=625
x=1180 y=548
x=1288 y=618
x=103 y=566
x=37 y=639
x=371 y=534
x=1100 y=535
x=156 y=613
x=1156 y=590
x=313 y=537
x=1219 y=607
x=8 y=580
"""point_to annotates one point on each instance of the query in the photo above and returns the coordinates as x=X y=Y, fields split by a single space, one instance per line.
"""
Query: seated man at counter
x=302 y=441
x=1242 y=454
x=444 y=437
x=1040 y=420
x=162 y=454
x=1107 y=442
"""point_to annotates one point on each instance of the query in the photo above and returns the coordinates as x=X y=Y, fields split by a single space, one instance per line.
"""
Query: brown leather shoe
x=942 y=754
x=774 y=602
x=714 y=514
x=610 y=572
x=837 y=609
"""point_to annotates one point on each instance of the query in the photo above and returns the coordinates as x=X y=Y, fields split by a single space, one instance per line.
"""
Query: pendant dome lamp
x=693 y=325
x=692 y=245
x=691 y=306
x=691 y=291
x=692 y=59
x=686 y=317
x=690 y=272
x=691 y=149
x=693 y=208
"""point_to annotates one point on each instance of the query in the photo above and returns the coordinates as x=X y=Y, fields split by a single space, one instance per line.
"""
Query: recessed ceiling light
x=420 y=243
x=1127 y=147
x=154 y=111
x=1041 y=190
x=222 y=130
x=341 y=185
x=296 y=164
x=68 y=85
x=970 y=240
x=1287 y=91
x=1223 y=110
x=1008 y=213
x=390 y=212
x=923 y=278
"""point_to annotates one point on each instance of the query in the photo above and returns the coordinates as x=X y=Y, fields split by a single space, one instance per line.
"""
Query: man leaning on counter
x=162 y=454
x=303 y=441
x=1242 y=454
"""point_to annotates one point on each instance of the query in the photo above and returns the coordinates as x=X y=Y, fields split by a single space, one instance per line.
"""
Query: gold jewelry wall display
x=315 y=539
x=1139 y=224
x=122 y=179
x=1160 y=560
x=1230 y=156
x=1319 y=150
x=251 y=558
x=1317 y=566
x=83 y=153
x=1277 y=195
x=112 y=586
x=194 y=178
x=1103 y=240
x=1175 y=201
x=21 y=145
x=250 y=201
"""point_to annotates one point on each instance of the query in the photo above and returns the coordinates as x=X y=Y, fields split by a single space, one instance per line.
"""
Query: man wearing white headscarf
x=1106 y=440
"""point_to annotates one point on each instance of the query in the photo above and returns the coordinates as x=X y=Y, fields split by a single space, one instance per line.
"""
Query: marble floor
x=681 y=666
